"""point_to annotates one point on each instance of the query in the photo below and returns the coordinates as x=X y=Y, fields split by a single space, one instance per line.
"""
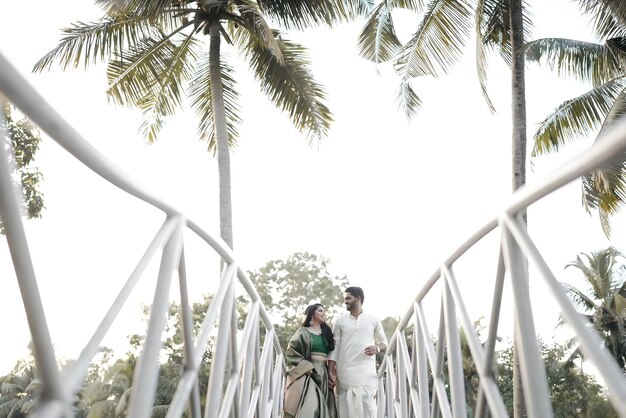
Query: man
x=352 y=364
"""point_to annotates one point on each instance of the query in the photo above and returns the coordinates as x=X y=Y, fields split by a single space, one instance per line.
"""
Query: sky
x=385 y=199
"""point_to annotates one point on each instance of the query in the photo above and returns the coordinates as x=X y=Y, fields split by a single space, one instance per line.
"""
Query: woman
x=309 y=394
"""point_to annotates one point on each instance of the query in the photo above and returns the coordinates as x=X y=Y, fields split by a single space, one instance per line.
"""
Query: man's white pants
x=357 y=402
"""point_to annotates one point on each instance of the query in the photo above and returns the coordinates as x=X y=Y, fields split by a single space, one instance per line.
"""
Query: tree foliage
x=572 y=392
x=603 y=299
x=601 y=66
x=25 y=140
x=287 y=287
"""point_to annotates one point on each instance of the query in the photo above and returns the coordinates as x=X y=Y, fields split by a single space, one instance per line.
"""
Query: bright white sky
x=385 y=199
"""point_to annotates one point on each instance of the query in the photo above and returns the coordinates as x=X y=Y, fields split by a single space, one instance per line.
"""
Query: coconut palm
x=603 y=301
x=438 y=43
x=603 y=65
x=158 y=53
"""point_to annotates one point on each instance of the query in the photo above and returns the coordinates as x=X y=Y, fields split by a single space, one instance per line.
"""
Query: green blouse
x=318 y=344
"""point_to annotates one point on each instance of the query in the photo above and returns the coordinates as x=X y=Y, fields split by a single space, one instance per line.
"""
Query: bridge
x=248 y=367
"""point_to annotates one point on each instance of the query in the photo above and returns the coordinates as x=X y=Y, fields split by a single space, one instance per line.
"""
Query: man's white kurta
x=352 y=335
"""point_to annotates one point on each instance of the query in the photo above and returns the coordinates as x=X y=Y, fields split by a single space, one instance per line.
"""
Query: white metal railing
x=247 y=377
x=404 y=387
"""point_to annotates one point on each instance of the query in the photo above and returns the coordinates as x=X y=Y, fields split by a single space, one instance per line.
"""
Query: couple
x=321 y=361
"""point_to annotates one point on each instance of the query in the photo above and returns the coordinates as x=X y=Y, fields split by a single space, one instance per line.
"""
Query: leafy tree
x=18 y=389
x=25 y=140
x=603 y=301
x=572 y=393
x=158 y=53
x=602 y=65
x=287 y=287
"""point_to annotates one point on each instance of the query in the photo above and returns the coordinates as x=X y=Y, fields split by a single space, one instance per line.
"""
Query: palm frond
x=605 y=191
x=166 y=96
x=252 y=19
x=481 y=55
x=301 y=14
x=576 y=117
x=414 y=5
x=290 y=86
x=407 y=99
x=111 y=6
x=146 y=8
x=93 y=42
x=579 y=299
x=616 y=113
x=136 y=72
x=201 y=101
x=495 y=26
x=586 y=61
x=352 y=9
x=608 y=17
x=378 y=41
x=438 y=42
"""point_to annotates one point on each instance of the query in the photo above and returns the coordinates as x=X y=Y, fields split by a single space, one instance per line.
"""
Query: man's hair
x=357 y=292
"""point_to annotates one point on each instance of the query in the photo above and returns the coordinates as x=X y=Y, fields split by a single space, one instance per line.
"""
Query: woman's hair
x=327 y=333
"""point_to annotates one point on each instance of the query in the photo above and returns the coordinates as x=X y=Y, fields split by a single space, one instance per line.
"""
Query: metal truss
x=416 y=383
x=247 y=368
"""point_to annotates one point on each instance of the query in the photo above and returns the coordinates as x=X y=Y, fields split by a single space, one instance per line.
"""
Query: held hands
x=332 y=380
x=332 y=374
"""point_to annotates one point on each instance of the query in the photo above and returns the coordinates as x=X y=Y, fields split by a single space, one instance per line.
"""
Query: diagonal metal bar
x=219 y=365
x=27 y=280
x=187 y=382
x=74 y=375
x=187 y=321
x=391 y=390
x=422 y=367
x=147 y=369
x=478 y=355
x=408 y=395
x=247 y=352
x=401 y=366
x=453 y=345
x=534 y=380
x=591 y=344
x=381 y=405
x=490 y=344
x=440 y=399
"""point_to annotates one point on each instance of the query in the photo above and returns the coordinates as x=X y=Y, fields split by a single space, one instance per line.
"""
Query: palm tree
x=603 y=66
x=158 y=53
x=603 y=301
x=438 y=44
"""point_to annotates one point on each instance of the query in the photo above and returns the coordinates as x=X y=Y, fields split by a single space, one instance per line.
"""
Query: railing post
x=534 y=378
x=10 y=198
x=422 y=367
x=220 y=356
x=455 y=363
x=147 y=370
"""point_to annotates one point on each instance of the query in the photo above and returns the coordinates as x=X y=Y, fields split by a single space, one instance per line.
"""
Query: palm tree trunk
x=221 y=134
x=518 y=114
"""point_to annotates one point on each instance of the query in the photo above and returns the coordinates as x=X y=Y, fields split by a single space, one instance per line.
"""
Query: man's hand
x=371 y=350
